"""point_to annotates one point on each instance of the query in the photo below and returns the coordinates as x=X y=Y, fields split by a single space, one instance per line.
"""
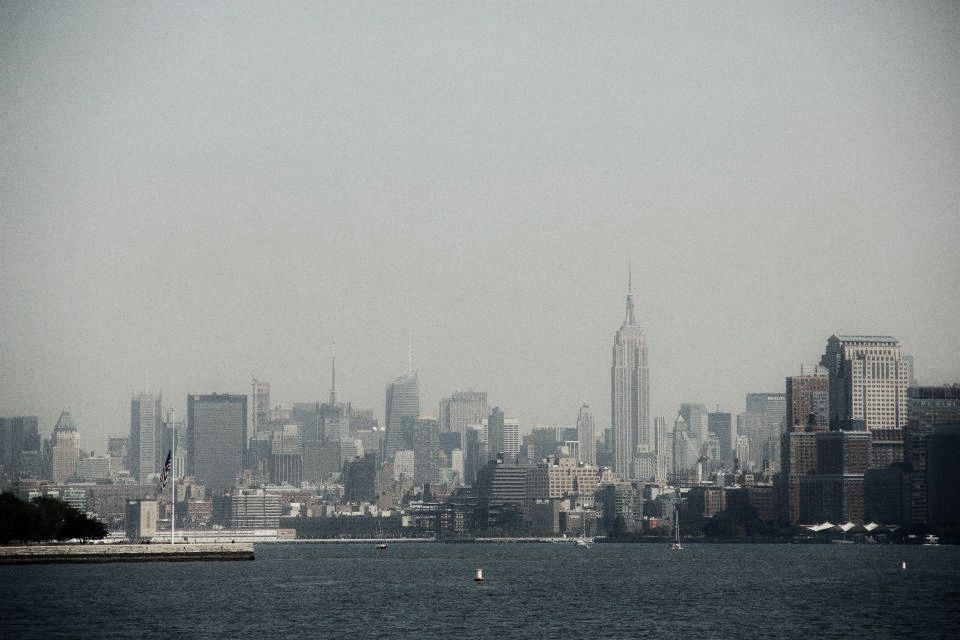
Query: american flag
x=166 y=472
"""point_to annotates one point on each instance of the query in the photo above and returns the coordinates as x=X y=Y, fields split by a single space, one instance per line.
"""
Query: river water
x=426 y=590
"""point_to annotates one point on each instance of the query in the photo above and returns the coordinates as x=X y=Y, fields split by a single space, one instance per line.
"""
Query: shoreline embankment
x=99 y=553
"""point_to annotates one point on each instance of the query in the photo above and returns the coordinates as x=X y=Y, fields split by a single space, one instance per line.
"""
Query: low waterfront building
x=141 y=519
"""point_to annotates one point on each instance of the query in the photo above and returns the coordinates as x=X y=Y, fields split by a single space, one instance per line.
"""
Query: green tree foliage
x=45 y=518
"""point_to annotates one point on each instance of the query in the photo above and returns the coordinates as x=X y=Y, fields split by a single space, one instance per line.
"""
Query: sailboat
x=676 y=540
x=478 y=576
x=382 y=544
x=583 y=540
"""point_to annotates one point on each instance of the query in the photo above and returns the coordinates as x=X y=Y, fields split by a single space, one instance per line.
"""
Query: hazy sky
x=192 y=194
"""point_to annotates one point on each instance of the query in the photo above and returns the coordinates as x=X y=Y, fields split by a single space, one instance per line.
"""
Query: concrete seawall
x=90 y=553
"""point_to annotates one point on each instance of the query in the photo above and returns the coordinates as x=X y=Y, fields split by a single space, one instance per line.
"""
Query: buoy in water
x=478 y=577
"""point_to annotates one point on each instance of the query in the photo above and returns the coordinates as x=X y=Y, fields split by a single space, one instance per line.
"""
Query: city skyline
x=777 y=175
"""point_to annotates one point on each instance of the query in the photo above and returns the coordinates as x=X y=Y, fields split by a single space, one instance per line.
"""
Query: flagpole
x=173 y=479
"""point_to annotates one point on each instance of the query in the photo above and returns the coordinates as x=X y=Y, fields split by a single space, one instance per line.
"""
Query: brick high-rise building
x=807 y=397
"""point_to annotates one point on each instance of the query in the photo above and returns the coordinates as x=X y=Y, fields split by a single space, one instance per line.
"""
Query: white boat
x=383 y=543
x=478 y=577
x=583 y=542
x=931 y=540
x=676 y=539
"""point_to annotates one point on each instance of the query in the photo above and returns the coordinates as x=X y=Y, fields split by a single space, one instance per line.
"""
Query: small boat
x=583 y=542
x=931 y=540
x=478 y=577
x=383 y=543
x=676 y=540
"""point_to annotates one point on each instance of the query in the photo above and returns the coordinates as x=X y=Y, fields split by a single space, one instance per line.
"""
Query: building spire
x=334 y=396
x=631 y=313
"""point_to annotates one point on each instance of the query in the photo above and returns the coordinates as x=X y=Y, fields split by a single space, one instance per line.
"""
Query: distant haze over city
x=196 y=195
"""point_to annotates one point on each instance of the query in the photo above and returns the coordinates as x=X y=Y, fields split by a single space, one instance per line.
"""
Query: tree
x=18 y=519
x=45 y=518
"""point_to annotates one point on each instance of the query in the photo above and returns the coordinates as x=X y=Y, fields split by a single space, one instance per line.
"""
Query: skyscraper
x=66 y=449
x=762 y=424
x=495 y=439
x=630 y=391
x=586 y=435
x=260 y=395
x=146 y=435
x=462 y=409
x=426 y=451
x=403 y=401
x=216 y=438
x=695 y=415
x=808 y=395
x=663 y=447
x=684 y=451
x=868 y=381
x=720 y=424
x=18 y=436
x=928 y=408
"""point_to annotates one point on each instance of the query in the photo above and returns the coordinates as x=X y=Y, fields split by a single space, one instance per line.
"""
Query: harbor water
x=529 y=591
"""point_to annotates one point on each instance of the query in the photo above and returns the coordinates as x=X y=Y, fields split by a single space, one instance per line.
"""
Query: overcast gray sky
x=191 y=194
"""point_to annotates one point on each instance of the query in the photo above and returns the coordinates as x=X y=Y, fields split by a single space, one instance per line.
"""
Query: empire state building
x=630 y=392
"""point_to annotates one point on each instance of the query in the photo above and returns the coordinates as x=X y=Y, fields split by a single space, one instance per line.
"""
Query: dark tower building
x=216 y=438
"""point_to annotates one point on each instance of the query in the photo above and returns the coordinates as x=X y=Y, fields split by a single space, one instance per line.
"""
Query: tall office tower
x=868 y=382
x=216 y=439
x=587 y=435
x=663 y=447
x=928 y=408
x=742 y=451
x=943 y=479
x=119 y=450
x=808 y=398
x=495 y=435
x=18 y=436
x=630 y=392
x=474 y=454
x=360 y=479
x=798 y=458
x=697 y=421
x=146 y=435
x=511 y=438
x=260 y=395
x=684 y=451
x=403 y=401
x=426 y=451
x=720 y=424
x=762 y=423
x=309 y=417
x=461 y=410
x=66 y=449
